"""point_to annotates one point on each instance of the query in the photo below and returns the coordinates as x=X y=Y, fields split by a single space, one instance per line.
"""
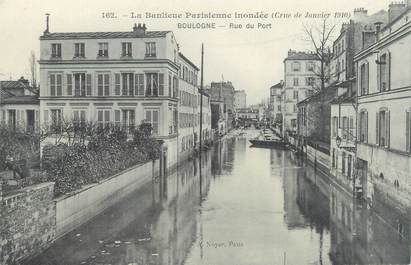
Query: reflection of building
x=19 y=104
x=384 y=100
x=358 y=235
x=292 y=217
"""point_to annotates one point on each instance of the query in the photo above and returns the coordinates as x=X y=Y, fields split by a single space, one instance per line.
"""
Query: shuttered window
x=103 y=85
x=383 y=128
x=408 y=131
x=69 y=84
x=56 y=84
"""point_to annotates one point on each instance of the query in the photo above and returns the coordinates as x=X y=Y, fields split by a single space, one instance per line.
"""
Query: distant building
x=19 y=105
x=240 y=99
x=225 y=90
x=300 y=82
x=276 y=102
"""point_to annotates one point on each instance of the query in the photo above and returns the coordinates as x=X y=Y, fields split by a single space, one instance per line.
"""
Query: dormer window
x=79 y=50
x=126 y=50
x=56 y=50
x=103 y=49
x=150 y=49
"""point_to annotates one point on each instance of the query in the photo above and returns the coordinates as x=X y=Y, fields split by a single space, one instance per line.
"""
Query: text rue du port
x=250 y=26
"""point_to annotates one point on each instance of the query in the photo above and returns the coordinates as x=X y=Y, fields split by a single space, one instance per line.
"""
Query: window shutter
x=106 y=84
x=88 y=84
x=52 y=83
x=46 y=117
x=378 y=75
x=407 y=131
x=161 y=84
x=366 y=127
x=59 y=85
x=100 y=85
x=367 y=78
x=69 y=84
x=377 y=131
x=388 y=128
x=37 y=122
x=117 y=84
x=388 y=66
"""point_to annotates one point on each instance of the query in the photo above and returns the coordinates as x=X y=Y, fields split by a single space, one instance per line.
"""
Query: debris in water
x=117 y=242
x=78 y=235
x=101 y=241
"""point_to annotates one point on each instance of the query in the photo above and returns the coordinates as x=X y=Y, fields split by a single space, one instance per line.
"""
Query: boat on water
x=268 y=140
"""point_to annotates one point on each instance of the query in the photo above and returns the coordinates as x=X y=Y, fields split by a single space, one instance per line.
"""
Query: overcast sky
x=250 y=59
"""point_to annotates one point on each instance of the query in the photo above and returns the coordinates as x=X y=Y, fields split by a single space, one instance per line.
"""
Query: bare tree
x=33 y=69
x=320 y=37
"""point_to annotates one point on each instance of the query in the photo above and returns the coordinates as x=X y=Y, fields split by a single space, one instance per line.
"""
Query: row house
x=189 y=109
x=19 y=105
x=300 y=82
x=120 y=78
x=384 y=107
x=224 y=91
x=354 y=36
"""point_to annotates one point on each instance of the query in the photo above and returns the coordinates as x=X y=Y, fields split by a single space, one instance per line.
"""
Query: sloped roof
x=279 y=85
x=101 y=35
x=12 y=84
x=188 y=61
x=301 y=56
x=344 y=98
x=21 y=100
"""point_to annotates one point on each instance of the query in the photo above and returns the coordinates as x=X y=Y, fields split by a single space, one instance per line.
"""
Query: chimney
x=291 y=52
x=360 y=14
x=47 y=31
x=395 y=9
x=24 y=81
x=139 y=30
x=377 y=30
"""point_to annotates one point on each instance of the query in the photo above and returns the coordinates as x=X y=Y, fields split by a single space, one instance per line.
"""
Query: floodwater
x=239 y=205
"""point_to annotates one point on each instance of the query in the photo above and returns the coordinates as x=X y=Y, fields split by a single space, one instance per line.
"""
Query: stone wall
x=27 y=222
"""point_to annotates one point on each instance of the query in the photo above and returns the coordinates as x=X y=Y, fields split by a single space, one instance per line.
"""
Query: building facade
x=276 y=102
x=121 y=78
x=300 y=81
x=240 y=99
x=384 y=106
x=19 y=105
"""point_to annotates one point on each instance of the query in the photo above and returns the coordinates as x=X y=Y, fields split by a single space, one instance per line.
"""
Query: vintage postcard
x=188 y=132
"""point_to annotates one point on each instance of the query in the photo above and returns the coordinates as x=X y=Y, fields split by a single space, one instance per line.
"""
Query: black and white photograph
x=192 y=132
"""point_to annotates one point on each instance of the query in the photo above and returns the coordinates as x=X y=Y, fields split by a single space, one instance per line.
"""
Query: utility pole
x=201 y=97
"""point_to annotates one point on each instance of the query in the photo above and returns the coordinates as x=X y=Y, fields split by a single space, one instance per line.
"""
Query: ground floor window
x=152 y=117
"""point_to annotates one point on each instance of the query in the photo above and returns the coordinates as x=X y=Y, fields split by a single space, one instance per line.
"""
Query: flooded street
x=238 y=206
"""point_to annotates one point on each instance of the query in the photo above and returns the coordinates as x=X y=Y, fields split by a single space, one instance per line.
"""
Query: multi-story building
x=121 y=78
x=189 y=109
x=300 y=81
x=384 y=106
x=275 y=102
x=225 y=90
x=19 y=105
x=352 y=39
x=240 y=99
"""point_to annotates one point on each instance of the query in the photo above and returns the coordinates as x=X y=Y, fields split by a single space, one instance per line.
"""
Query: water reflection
x=239 y=205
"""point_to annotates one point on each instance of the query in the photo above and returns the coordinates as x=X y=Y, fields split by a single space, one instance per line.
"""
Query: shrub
x=105 y=154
